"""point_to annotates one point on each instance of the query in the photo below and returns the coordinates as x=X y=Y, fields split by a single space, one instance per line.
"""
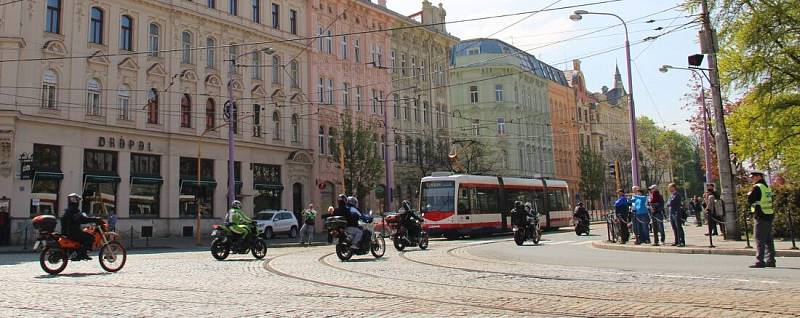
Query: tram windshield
x=437 y=196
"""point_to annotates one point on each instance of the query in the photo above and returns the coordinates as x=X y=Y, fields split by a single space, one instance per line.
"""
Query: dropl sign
x=123 y=144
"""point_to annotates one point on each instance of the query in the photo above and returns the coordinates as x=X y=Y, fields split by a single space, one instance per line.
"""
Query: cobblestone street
x=452 y=278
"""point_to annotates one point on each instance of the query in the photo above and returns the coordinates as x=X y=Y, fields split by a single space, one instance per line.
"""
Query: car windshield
x=437 y=196
x=264 y=216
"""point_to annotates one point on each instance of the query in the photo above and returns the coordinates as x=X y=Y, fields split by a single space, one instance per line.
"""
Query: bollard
x=791 y=228
x=746 y=230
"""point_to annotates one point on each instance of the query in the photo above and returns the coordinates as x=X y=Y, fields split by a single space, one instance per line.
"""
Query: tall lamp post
x=706 y=146
x=387 y=196
x=577 y=16
x=229 y=114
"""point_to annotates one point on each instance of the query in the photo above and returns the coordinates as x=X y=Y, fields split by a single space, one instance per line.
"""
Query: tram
x=470 y=205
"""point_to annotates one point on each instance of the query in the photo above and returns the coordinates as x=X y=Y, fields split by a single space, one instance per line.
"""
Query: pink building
x=346 y=74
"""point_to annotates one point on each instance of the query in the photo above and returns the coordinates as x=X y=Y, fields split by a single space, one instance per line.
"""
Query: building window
x=358 y=98
x=474 y=51
x=211 y=55
x=276 y=125
x=100 y=181
x=331 y=139
x=320 y=41
x=96 y=26
x=276 y=16
x=293 y=21
x=476 y=128
x=256 y=120
x=383 y=147
x=211 y=114
x=501 y=126
x=257 y=11
x=47 y=180
x=233 y=52
x=416 y=110
x=146 y=184
x=186 y=47
x=345 y=95
x=195 y=192
x=396 y=105
x=93 y=98
x=256 y=69
x=397 y=151
x=426 y=118
x=212 y=4
x=126 y=33
x=414 y=66
x=403 y=64
x=473 y=94
x=321 y=140
x=329 y=43
x=330 y=91
x=233 y=7
x=498 y=93
x=152 y=106
x=357 y=50
x=407 y=108
x=321 y=91
x=391 y=61
x=153 y=38
x=53 y=19
x=295 y=128
x=49 y=89
x=294 y=72
x=422 y=70
x=234 y=120
x=186 y=111
x=343 y=47
x=374 y=100
x=276 y=69
x=124 y=101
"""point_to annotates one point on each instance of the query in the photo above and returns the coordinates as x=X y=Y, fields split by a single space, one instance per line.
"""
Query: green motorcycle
x=226 y=241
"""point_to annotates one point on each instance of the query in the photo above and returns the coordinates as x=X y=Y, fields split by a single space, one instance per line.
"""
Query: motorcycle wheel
x=537 y=235
x=112 y=257
x=423 y=242
x=578 y=230
x=53 y=260
x=519 y=237
x=378 y=246
x=259 y=249
x=343 y=251
x=219 y=250
x=398 y=244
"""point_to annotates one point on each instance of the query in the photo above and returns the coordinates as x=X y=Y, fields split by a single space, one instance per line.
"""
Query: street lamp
x=577 y=16
x=706 y=146
x=231 y=104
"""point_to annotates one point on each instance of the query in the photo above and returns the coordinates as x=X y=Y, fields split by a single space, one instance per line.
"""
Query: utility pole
x=709 y=46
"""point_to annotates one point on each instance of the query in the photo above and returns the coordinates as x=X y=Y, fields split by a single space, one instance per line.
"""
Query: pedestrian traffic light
x=696 y=59
x=612 y=171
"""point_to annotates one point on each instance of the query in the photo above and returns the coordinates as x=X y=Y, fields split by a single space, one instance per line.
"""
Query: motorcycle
x=226 y=241
x=528 y=231
x=400 y=235
x=57 y=249
x=371 y=242
x=581 y=225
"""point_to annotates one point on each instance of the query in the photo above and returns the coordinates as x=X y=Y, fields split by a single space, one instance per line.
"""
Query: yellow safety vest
x=766 y=200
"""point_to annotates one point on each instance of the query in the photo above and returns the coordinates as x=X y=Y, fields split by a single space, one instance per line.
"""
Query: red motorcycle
x=57 y=249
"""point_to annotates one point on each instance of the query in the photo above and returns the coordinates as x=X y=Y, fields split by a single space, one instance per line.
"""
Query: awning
x=146 y=180
x=102 y=178
x=202 y=182
x=266 y=187
x=48 y=175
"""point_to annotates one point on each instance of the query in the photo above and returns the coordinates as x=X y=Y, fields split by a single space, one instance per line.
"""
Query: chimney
x=576 y=64
x=382 y=3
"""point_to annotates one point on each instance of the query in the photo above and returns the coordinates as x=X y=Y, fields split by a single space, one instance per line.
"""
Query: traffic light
x=612 y=171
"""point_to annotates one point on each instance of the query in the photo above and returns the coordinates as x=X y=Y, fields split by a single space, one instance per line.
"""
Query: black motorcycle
x=226 y=241
x=581 y=225
x=400 y=234
x=371 y=242
x=528 y=230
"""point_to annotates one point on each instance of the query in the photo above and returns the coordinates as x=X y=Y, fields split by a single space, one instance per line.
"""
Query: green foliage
x=786 y=199
x=667 y=152
x=362 y=159
x=592 y=174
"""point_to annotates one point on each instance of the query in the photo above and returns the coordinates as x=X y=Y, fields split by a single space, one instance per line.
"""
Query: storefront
x=145 y=186
x=194 y=192
x=267 y=187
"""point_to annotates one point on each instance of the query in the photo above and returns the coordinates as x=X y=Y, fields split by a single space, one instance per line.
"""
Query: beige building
x=108 y=99
x=610 y=122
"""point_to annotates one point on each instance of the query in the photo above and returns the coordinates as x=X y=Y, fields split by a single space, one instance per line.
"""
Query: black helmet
x=580 y=203
x=341 y=198
x=406 y=205
x=518 y=204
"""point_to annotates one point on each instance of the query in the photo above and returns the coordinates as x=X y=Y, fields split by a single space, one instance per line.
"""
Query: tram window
x=556 y=200
x=487 y=201
x=437 y=196
x=517 y=195
x=464 y=204
x=538 y=198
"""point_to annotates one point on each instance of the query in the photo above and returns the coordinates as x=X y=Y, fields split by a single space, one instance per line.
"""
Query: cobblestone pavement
x=446 y=280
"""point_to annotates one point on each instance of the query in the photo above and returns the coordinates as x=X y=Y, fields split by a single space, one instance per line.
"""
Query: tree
x=363 y=167
x=472 y=157
x=592 y=174
x=653 y=155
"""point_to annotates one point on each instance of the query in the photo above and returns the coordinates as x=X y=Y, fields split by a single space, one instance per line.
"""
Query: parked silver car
x=277 y=222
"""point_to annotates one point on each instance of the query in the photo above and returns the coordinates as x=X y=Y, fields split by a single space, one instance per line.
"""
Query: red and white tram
x=458 y=205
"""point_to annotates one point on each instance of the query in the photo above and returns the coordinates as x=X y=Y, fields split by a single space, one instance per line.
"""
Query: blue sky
x=657 y=95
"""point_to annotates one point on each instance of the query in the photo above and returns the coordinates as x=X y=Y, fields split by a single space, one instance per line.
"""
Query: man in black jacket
x=71 y=226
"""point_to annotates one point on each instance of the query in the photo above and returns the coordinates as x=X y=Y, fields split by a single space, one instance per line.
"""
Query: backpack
x=719 y=208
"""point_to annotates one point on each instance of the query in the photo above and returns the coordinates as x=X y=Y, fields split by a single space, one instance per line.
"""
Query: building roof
x=521 y=58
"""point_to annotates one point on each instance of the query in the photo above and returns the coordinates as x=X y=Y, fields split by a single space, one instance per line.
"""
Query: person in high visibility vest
x=760 y=200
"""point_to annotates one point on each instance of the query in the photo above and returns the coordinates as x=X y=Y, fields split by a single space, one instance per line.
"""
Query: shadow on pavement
x=48 y=276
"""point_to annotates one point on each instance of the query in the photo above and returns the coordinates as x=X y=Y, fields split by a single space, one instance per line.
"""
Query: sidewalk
x=697 y=243
x=179 y=243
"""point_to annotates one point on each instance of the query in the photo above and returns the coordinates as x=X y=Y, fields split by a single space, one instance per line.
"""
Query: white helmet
x=74 y=198
x=236 y=204
x=351 y=200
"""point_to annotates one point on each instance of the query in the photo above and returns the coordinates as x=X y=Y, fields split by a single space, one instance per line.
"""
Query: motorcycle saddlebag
x=45 y=223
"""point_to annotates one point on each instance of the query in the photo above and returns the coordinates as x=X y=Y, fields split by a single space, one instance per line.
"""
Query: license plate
x=36 y=246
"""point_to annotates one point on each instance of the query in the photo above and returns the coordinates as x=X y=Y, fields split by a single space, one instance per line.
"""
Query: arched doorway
x=297 y=199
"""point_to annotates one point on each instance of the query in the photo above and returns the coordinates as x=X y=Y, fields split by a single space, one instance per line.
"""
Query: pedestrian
x=622 y=210
x=309 y=215
x=697 y=207
x=641 y=221
x=760 y=201
x=656 y=203
x=330 y=214
x=712 y=214
x=675 y=205
x=112 y=221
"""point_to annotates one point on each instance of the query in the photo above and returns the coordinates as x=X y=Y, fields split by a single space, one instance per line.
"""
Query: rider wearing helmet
x=409 y=219
x=531 y=212
x=353 y=229
x=71 y=226
x=518 y=214
x=240 y=223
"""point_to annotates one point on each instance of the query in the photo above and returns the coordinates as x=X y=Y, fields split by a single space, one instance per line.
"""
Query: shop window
x=46 y=179
x=267 y=184
x=146 y=181
x=194 y=192
x=100 y=181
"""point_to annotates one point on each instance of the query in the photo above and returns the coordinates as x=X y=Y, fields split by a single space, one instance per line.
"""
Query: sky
x=657 y=95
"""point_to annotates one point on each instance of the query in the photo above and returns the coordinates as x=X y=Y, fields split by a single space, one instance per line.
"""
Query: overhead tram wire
x=133 y=53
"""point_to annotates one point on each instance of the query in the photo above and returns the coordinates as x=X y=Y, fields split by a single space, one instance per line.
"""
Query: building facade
x=564 y=108
x=115 y=100
x=499 y=97
x=610 y=122
x=419 y=107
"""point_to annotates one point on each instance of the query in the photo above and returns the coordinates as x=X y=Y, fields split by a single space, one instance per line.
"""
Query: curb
x=154 y=247
x=688 y=250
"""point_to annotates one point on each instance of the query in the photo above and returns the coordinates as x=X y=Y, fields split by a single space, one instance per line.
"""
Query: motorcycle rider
x=519 y=215
x=581 y=213
x=409 y=220
x=71 y=226
x=240 y=223
x=353 y=229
